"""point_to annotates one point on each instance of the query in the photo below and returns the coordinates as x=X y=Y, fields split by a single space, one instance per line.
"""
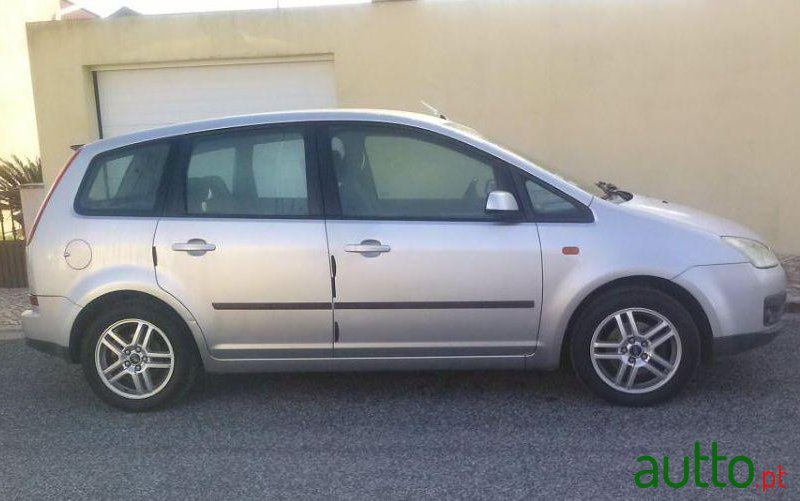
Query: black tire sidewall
x=183 y=347
x=635 y=297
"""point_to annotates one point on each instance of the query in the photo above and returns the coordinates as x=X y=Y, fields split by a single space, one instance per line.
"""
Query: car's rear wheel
x=635 y=346
x=138 y=358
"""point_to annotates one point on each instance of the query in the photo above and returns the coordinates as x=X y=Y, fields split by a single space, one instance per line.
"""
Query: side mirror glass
x=501 y=202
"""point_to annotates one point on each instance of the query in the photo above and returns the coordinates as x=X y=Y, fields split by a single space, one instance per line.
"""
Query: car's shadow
x=387 y=385
x=741 y=376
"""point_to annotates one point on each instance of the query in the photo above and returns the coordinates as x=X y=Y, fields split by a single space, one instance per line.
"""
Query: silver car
x=374 y=240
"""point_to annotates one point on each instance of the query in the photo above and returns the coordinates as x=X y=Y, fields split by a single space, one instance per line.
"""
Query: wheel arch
x=680 y=294
x=89 y=312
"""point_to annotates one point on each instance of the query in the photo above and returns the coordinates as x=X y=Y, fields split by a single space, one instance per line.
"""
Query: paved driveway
x=474 y=435
x=12 y=303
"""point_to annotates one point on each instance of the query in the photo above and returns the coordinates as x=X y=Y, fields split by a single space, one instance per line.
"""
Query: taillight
x=29 y=238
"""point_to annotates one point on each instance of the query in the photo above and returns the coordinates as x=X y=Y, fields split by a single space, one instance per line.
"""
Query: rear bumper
x=47 y=327
x=49 y=348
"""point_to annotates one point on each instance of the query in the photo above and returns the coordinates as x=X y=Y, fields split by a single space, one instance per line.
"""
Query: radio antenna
x=433 y=110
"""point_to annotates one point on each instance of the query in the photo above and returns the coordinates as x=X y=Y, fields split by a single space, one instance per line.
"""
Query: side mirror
x=501 y=203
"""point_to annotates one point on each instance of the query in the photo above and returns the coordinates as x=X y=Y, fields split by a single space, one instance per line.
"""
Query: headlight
x=759 y=254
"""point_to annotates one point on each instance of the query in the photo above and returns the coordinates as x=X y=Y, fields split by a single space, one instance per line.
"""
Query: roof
x=388 y=116
x=70 y=10
x=124 y=12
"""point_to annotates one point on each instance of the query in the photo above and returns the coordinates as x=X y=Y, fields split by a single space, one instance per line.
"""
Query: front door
x=245 y=248
x=421 y=269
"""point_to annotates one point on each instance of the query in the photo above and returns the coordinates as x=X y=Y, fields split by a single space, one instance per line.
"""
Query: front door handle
x=368 y=248
x=195 y=247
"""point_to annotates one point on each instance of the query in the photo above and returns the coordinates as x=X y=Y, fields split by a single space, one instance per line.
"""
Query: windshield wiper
x=610 y=190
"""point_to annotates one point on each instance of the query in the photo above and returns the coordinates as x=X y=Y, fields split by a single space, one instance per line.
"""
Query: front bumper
x=47 y=327
x=731 y=345
x=743 y=304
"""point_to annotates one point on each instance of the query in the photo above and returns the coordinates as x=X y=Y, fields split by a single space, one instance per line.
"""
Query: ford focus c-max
x=371 y=240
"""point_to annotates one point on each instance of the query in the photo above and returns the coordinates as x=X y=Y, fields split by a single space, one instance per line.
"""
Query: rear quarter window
x=124 y=182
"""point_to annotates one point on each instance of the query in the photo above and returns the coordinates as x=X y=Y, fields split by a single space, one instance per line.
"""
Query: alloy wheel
x=636 y=350
x=134 y=358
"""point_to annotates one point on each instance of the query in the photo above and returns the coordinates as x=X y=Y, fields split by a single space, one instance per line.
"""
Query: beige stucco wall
x=697 y=101
x=17 y=118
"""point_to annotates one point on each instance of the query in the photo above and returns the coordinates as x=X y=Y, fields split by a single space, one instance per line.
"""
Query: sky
x=106 y=7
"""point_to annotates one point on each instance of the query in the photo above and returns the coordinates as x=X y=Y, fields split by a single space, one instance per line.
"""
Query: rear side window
x=124 y=182
x=248 y=174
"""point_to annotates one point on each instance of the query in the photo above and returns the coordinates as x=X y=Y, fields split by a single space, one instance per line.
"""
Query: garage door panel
x=137 y=99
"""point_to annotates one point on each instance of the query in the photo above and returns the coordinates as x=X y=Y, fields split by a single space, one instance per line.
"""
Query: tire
x=646 y=366
x=157 y=374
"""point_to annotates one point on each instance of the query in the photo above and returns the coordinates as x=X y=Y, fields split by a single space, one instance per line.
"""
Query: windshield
x=585 y=185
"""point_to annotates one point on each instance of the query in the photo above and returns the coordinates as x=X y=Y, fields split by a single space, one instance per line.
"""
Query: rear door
x=421 y=268
x=244 y=244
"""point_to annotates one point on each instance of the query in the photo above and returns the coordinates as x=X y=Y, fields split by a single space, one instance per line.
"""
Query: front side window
x=124 y=182
x=549 y=205
x=391 y=173
x=248 y=173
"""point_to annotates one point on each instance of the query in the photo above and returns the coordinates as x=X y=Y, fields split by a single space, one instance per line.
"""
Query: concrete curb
x=10 y=335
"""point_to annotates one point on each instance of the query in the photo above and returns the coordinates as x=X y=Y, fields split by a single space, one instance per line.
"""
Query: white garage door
x=134 y=99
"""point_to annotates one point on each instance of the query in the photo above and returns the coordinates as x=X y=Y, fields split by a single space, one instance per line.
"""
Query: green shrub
x=13 y=173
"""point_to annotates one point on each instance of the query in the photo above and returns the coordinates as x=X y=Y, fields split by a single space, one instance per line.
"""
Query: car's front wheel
x=635 y=346
x=137 y=357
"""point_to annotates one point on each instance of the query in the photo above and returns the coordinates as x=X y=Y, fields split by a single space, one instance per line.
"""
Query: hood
x=689 y=217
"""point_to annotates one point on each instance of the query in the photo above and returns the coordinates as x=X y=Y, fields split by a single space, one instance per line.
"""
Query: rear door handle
x=368 y=248
x=195 y=247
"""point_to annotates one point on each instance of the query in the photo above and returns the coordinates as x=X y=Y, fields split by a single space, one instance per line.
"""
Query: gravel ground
x=476 y=435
